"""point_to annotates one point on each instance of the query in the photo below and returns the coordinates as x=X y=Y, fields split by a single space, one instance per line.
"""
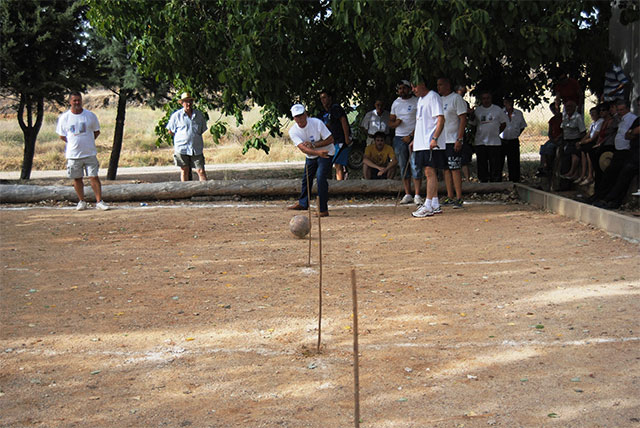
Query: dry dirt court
x=206 y=316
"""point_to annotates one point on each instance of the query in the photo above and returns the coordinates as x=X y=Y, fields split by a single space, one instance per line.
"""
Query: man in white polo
x=79 y=128
x=312 y=137
x=186 y=126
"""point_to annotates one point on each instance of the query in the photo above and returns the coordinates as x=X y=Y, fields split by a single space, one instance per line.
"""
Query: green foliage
x=276 y=53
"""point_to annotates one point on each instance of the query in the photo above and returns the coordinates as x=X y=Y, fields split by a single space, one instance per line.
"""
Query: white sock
x=435 y=203
x=427 y=203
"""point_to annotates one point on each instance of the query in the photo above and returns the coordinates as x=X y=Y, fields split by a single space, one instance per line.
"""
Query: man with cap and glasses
x=314 y=139
x=186 y=126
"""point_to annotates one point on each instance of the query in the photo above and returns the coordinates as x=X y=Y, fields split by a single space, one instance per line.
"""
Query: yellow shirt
x=382 y=157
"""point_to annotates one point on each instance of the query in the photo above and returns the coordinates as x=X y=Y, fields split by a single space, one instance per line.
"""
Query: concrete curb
x=609 y=221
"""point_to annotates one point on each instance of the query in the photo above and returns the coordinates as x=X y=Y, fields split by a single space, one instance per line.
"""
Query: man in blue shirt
x=186 y=126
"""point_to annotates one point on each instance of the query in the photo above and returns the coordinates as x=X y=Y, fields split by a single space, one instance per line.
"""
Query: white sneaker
x=418 y=200
x=423 y=211
x=636 y=193
x=82 y=205
x=407 y=199
x=102 y=206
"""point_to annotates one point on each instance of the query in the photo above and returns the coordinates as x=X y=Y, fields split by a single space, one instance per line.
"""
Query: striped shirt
x=612 y=79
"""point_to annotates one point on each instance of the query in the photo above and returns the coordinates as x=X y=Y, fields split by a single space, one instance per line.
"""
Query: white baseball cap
x=297 y=109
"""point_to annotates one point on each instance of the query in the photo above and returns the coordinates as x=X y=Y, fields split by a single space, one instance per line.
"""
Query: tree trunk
x=22 y=193
x=30 y=129
x=118 y=134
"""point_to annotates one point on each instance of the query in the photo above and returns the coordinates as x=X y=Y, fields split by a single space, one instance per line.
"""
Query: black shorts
x=570 y=147
x=431 y=158
x=467 y=153
x=454 y=159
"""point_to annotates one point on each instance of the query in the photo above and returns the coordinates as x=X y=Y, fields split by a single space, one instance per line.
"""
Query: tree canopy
x=280 y=52
x=43 y=56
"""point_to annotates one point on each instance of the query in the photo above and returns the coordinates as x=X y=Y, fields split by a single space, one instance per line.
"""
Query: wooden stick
x=306 y=171
x=356 y=368
x=401 y=183
x=320 y=276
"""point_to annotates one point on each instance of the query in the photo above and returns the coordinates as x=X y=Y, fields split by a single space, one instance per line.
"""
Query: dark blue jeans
x=319 y=168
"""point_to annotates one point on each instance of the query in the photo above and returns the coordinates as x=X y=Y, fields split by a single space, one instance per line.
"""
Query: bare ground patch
x=495 y=315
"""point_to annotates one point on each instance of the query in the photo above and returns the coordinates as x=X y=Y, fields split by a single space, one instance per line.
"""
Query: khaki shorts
x=187 y=161
x=78 y=168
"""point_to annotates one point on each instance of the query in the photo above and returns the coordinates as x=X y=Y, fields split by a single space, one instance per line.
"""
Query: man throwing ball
x=314 y=139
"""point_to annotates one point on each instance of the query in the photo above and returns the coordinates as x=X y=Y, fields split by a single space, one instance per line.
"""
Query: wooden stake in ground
x=320 y=276
x=356 y=368
x=402 y=183
x=306 y=171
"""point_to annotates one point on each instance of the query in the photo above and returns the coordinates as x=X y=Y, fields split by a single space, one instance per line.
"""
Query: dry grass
x=139 y=145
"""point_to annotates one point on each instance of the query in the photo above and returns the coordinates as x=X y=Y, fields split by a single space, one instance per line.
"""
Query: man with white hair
x=186 y=126
x=314 y=139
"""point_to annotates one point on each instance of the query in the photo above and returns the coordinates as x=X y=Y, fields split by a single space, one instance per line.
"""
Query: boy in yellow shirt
x=379 y=159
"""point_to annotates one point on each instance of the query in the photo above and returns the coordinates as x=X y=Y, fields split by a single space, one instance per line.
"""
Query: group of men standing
x=429 y=129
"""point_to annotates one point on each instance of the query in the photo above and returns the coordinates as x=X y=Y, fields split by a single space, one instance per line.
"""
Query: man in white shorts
x=79 y=128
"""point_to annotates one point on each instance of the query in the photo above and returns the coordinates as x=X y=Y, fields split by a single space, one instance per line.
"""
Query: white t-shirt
x=515 y=125
x=373 y=122
x=429 y=108
x=594 y=128
x=488 y=120
x=624 y=125
x=405 y=110
x=453 y=106
x=78 y=129
x=315 y=130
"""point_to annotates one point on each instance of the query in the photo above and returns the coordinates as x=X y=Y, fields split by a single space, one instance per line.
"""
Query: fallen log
x=21 y=193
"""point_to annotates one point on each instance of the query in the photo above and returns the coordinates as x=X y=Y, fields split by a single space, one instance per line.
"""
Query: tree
x=279 y=52
x=120 y=75
x=43 y=56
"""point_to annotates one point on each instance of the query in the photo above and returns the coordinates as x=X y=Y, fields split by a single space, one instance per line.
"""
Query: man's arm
x=394 y=122
x=307 y=149
x=436 y=134
x=460 y=138
x=368 y=162
x=345 y=129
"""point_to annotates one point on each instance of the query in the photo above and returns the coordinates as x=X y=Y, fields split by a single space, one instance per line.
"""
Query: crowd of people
x=425 y=135
x=422 y=137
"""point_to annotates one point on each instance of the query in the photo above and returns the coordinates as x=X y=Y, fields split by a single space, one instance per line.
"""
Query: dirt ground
x=206 y=315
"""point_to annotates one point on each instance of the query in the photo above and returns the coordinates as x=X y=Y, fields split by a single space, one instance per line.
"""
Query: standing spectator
x=490 y=121
x=335 y=119
x=186 y=126
x=403 y=120
x=79 y=128
x=314 y=139
x=510 y=139
x=379 y=159
x=376 y=120
x=568 y=89
x=622 y=151
x=615 y=84
x=467 y=147
x=455 y=121
x=573 y=130
x=429 y=151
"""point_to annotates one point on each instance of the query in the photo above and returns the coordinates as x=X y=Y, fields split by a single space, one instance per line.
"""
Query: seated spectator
x=548 y=149
x=379 y=159
x=629 y=170
x=586 y=145
x=573 y=130
x=604 y=144
x=611 y=189
x=374 y=121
